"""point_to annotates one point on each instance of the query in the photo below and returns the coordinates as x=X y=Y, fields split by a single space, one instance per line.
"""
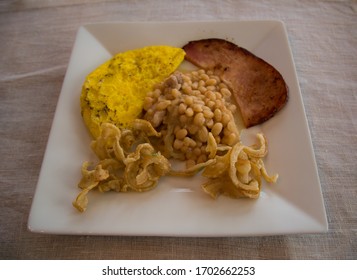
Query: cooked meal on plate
x=145 y=114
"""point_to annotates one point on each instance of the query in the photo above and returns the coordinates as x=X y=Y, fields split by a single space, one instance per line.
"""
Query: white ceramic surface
x=178 y=207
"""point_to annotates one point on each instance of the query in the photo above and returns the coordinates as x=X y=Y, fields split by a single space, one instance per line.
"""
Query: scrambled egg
x=115 y=91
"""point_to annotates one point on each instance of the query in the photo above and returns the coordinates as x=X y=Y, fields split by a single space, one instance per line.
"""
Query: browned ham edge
x=259 y=89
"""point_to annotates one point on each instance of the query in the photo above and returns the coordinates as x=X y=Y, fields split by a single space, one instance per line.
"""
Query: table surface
x=37 y=37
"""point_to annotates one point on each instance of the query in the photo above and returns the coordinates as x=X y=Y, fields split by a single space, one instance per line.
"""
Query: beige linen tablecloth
x=36 y=42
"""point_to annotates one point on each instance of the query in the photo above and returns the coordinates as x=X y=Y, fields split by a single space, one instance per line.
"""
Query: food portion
x=185 y=108
x=238 y=172
x=259 y=89
x=115 y=91
x=128 y=162
x=143 y=115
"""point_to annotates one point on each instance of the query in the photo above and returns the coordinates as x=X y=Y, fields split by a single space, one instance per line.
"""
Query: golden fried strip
x=121 y=169
x=192 y=170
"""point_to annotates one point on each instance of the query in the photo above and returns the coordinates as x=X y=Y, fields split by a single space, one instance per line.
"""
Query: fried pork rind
x=128 y=162
x=239 y=172
x=90 y=180
x=145 y=167
x=188 y=172
x=235 y=171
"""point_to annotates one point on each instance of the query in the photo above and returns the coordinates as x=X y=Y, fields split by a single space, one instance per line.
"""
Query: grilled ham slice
x=259 y=89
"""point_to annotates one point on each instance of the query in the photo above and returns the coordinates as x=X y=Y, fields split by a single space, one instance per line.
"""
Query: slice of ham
x=259 y=89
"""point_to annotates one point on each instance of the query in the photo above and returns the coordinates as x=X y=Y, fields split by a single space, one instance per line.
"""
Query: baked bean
x=178 y=144
x=199 y=119
x=211 y=104
x=211 y=82
x=219 y=104
x=209 y=123
x=194 y=85
x=218 y=79
x=204 y=77
x=175 y=93
x=150 y=112
x=231 y=139
x=187 y=90
x=184 y=149
x=219 y=96
x=210 y=94
x=157 y=93
x=217 y=115
x=188 y=100
x=163 y=105
x=199 y=101
x=208 y=114
x=226 y=92
x=181 y=133
x=202 y=89
x=202 y=134
x=186 y=84
x=197 y=108
x=186 y=78
x=182 y=108
x=189 y=142
x=197 y=151
x=158 y=118
x=231 y=125
x=222 y=85
x=217 y=128
x=196 y=92
x=201 y=83
x=213 y=88
x=225 y=118
x=192 y=129
x=189 y=112
x=205 y=108
x=148 y=102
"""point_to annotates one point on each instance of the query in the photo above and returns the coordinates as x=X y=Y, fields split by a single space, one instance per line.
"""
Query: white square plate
x=178 y=206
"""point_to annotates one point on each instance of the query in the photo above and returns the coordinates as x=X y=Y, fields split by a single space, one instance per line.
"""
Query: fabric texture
x=37 y=38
